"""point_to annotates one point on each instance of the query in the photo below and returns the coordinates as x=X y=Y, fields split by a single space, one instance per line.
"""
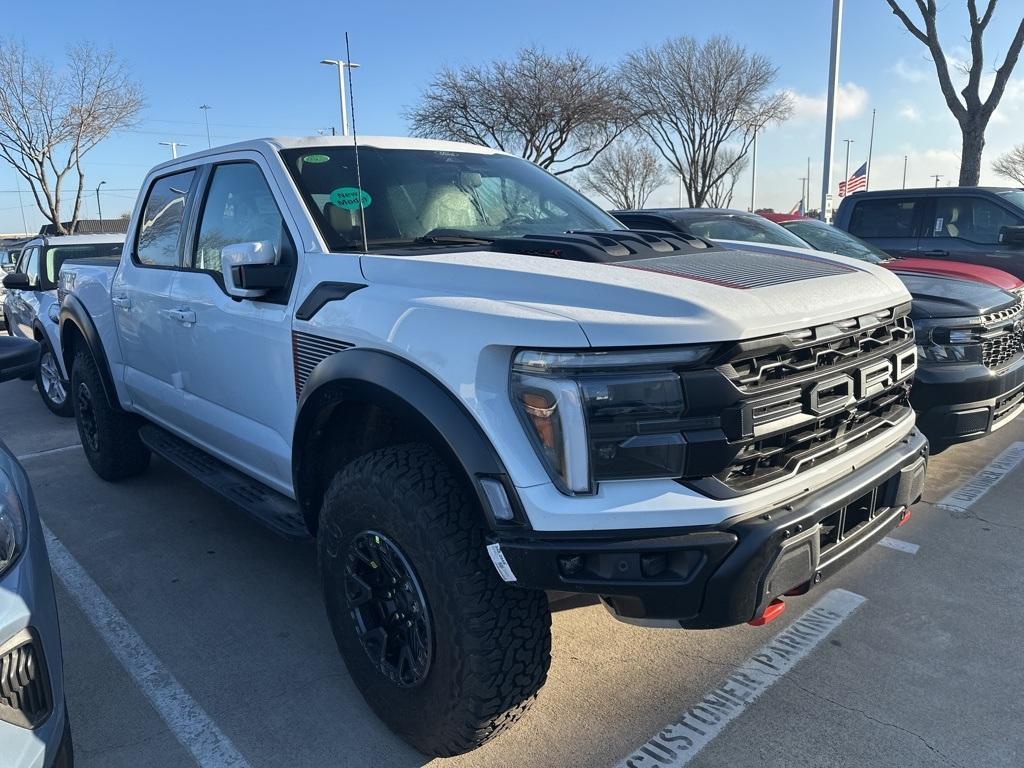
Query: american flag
x=859 y=180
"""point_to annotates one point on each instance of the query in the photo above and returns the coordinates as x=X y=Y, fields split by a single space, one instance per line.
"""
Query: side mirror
x=17 y=281
x=250 y=270
x=1011 y=236
x=19 y=358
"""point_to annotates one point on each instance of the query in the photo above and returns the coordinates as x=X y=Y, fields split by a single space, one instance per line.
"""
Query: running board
x=274 y=510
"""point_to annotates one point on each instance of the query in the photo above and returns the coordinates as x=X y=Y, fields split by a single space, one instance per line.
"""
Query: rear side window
x=891 y=217
x=55 y=258
x=160 y=229
x=971 y=218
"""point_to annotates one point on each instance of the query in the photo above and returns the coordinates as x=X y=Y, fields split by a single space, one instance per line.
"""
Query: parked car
x=970 y=334
x=472 y=386
x=31 y=309
x=8 y=257
x=831 y=239
x=980 y=225
x=34 y=726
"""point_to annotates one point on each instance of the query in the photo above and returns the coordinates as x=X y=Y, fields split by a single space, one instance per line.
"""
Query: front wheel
x=53 y=389
x=446 y=653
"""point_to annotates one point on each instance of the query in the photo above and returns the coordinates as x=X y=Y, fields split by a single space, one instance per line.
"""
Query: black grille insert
x=1002 y=339
x=24 y=688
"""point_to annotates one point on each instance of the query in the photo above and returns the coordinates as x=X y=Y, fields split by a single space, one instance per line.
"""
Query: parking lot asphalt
x=924 y=667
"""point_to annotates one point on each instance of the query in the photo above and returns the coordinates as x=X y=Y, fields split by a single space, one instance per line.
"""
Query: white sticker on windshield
x=938 y=224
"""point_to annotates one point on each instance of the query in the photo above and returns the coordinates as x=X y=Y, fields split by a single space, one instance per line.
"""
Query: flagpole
x=830 y=112
x=871 y=146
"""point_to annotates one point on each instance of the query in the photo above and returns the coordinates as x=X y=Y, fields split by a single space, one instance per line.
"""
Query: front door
x=235 y=354
x=890 y=223
x=967 y=229
x=141 y=300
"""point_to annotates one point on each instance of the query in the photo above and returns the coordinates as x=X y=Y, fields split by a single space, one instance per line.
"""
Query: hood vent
x=741 y=269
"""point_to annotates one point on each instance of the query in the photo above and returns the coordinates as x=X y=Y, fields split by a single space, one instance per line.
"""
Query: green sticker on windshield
x=315 y=159
x=351 y=198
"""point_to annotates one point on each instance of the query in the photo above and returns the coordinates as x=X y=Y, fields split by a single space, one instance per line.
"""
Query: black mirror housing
x=19 y=358
x=17 y=281
x=1011 y=236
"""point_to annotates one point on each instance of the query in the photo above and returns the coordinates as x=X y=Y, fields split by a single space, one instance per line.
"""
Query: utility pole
x=21 y=204
x=753 y=171
x=871 y=146
x=341 y=65
x=904 y=171
x=848 y=143
x=807 y=204
x=99 y=208
x=206 y=114
x=936 y=176
x=174 y=147
x=830 y=113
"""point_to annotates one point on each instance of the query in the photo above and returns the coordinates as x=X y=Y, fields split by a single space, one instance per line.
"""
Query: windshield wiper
x=452 y=240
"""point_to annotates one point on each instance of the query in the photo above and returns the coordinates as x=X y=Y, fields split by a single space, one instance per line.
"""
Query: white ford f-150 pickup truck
x=475 y=389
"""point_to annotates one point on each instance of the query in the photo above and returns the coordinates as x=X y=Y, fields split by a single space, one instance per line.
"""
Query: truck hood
x=977 y=272
x=936 y=296
x=691 y=298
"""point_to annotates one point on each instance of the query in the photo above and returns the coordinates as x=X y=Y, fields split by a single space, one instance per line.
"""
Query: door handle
x=182 y=315
x=936 y=253
x=121 y=301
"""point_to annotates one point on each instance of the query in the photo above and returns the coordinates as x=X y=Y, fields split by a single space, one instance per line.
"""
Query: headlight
x=12 y=524
x=948 y=341
x=604 y=415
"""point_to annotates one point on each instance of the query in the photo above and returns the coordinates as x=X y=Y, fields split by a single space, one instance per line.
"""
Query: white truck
x=475 y=389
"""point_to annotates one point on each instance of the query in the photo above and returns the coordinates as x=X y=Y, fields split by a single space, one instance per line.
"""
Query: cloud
x=910 y=73
x=911 y=113
x=851 y=99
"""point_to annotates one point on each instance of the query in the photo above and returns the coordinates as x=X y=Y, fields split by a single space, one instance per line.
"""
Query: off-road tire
x=65 y=408
x=491 y=641
x=110 y=436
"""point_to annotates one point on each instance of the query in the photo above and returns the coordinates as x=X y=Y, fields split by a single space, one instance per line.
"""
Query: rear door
x=966 y=228
x=140 y=294
x=890 y=223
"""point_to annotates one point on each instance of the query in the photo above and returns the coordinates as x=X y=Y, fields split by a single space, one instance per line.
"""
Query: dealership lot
x=923 y=671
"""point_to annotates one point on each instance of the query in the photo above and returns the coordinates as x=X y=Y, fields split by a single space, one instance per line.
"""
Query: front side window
x=56 y=256
x=239 y=208
x=887 y=217
x=747 y=229
x=411 y=194
x=971 y=218
x=160 y=229
x=30 y=266
x=831 y=240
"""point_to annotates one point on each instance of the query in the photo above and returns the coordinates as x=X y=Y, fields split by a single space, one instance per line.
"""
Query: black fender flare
x=386 y=380
x=74 y=313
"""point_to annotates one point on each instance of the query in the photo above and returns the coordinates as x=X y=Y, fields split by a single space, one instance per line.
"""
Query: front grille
x=307 y=352
x=803 y=397
x=1003 y=336
x=24 y=689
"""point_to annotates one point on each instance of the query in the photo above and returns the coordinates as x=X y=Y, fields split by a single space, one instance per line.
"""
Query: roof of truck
x=80 y=239
x=298 y=142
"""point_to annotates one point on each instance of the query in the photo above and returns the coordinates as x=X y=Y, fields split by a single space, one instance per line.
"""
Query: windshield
x=1014 y=197
x=409 y=194
x=57 y=255
x=826 y=238
x=747 y=229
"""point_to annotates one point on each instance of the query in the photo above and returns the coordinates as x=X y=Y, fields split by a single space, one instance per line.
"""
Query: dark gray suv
x=980 y=225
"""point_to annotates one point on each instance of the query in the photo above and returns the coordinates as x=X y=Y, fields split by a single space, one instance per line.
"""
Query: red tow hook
x=905 y=517
x=772 y=612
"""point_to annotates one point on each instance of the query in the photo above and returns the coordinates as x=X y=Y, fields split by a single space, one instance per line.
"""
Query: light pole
x=753 y=170
x=803 y=194
x=174 y=147
x=904 y=171
x=830 y=112
x=99 y=208
x=341 y=65
x=846 y=178
x=206 y=114
x=680 y=203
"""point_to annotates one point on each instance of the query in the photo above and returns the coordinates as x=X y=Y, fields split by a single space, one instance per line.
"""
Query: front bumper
x=963 y=402
x=717 y=576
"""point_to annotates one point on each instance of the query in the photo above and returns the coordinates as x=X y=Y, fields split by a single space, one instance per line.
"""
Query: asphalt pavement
x=911 y=656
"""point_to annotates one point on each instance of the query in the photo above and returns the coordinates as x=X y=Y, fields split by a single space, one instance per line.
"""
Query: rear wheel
x=110 y=436
x=53 y=389
x=444 y=651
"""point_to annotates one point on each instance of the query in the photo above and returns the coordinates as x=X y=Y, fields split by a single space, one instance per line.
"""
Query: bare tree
x=721 y=192
x=694 y=99
x=626 y=175
x=972 y=112
x=49 y=120
x=1011 y=164
x=559 y=112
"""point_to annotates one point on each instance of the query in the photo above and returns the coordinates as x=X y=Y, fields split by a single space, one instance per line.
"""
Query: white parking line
x=963 y=497
x=48 y=451
x=900 y=545
x=184 y=717
x=678 y=743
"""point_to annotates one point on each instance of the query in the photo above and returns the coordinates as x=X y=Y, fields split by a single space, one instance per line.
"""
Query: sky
x=257 y=66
